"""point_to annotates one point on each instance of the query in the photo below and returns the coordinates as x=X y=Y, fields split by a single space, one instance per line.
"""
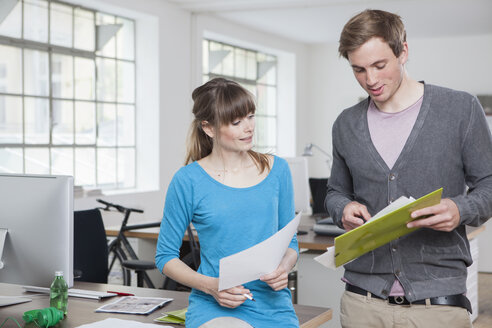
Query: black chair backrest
x=90 y=249
x=318 y=192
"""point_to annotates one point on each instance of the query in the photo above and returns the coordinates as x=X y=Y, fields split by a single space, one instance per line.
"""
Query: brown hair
x=369 y=24
x=219 y=102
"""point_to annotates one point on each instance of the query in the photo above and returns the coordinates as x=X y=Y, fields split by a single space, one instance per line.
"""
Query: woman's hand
x=277 y=279
x=229 y=298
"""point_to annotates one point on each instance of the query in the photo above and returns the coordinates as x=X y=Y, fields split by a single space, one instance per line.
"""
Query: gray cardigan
x=450 y=146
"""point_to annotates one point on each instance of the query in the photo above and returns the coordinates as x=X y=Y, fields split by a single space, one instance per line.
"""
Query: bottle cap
x=58 y=273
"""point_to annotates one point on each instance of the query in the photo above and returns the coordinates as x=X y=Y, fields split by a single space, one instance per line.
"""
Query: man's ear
x=208 y=129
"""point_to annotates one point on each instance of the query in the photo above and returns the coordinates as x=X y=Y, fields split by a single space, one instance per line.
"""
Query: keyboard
x=327 y=227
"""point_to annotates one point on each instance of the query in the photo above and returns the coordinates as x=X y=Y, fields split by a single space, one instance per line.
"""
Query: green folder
x=381 y=231
x=176 y=317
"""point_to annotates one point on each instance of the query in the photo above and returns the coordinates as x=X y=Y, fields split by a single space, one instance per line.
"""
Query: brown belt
x=459 y=300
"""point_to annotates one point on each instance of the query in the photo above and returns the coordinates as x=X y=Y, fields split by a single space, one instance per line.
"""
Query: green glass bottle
x=59 y=293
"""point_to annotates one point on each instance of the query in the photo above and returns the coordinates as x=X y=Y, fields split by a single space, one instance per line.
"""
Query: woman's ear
x=208 y=129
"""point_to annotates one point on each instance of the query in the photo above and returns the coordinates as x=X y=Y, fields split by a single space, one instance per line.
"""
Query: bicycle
x=120 y=249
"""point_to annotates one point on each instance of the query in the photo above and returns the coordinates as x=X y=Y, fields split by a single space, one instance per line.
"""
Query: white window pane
x=109 y=49
x=251 y=65
x=10 y=119
x=251 y=88
x=126 y=125
x=84 y=30
x=11 y=160
x=37 y=160
x=106 y=125
x=126 y=167
x=11 y=25
x=215 y=57
x=267 y=68
x=62 y=76
x=85 y=167
x=228 y=61
x=36 y=73
x=240 y=63
x=62 y=122
x=267 y=100
x=125 y=39
x=61 y=25
x=205 y=67
x=106 y=167
x=85 y=123
x=10 y=69
x=126 y=82
x=36 y=120
x=85 y=78
x=106 y=82
x=36 y=20
x=266 y=131
x=62 y=161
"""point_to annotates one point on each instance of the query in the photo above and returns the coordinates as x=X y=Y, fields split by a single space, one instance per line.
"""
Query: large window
x=257 y=72
x=67 y=93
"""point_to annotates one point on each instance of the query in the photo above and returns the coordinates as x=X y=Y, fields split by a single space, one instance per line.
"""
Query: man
x=407 y=138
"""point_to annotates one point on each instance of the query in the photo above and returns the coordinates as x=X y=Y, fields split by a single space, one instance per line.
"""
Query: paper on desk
x=258 y=260
x=113 y=322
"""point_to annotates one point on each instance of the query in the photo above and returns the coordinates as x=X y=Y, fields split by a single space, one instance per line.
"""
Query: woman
x=235 y=198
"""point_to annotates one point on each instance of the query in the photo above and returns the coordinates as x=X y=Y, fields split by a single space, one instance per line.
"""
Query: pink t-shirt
x=389 y=133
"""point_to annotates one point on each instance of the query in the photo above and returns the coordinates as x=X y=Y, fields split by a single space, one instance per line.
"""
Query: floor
x=484 y=319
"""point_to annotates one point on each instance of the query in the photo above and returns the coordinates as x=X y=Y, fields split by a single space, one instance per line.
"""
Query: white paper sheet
x=113 y=322
x=327 y=258
x=260 y=259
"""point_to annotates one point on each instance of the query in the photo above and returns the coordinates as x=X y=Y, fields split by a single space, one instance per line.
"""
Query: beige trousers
x=358 y=311
x=226 y=322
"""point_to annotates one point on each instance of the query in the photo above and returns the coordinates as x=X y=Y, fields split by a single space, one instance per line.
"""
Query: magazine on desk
x=134 y=305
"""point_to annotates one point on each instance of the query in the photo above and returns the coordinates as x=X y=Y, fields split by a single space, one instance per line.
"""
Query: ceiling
x=321 y=21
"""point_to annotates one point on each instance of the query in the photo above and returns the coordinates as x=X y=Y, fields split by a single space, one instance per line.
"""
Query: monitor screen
x=300 y=179
x=37 y=211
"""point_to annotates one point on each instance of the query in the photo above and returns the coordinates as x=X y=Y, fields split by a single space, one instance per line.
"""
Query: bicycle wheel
x=117 y=275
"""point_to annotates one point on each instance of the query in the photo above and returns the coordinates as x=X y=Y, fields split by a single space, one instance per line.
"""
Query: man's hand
x=444 y=216
x=354 y=214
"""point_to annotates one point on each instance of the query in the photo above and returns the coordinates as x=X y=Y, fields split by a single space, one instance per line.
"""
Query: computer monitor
x=300 y=179
x=37 y=212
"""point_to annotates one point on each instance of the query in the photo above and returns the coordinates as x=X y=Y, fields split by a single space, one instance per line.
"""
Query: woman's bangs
x=235 y=108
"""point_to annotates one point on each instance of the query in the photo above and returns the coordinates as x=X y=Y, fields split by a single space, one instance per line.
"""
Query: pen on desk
x=249 y=297
x=120 y=293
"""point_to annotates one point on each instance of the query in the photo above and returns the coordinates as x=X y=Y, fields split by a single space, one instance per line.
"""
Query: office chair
x=319 y=189
x=90 y=248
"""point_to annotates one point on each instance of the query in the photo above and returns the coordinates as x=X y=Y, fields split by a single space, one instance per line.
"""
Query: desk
x=81 y=310
x=310 y=241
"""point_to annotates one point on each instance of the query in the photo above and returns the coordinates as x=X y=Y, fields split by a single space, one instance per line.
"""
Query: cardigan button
x=392 y=177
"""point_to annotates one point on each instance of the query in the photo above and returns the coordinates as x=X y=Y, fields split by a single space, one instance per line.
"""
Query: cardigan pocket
x=443 y=262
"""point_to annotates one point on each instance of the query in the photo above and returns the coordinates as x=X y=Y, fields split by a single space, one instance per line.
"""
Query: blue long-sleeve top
x=229 y=220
